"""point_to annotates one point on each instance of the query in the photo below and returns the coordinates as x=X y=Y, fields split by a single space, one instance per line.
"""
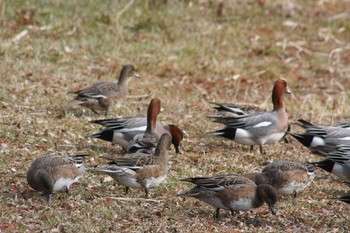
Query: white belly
x=64 y=182
x=271 y=138
x=154 y=181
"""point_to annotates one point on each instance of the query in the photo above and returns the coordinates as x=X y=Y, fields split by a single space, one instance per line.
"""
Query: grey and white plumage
x=258 y=128
x=321 y=139
x=337 y=162
x=122 y=130
x=147 y=141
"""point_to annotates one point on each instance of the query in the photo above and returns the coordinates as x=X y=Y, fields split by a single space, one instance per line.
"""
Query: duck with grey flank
x=122 y=130
x=259 y=128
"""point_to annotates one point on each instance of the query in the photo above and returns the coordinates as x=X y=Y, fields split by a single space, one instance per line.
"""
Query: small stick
x=133 y=199
x=137 y=96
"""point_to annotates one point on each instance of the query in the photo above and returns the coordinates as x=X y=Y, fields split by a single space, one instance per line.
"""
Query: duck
x=122 y=130
x=345 y=199
x=287 y=177
x=258 y=128
x=101 y=95
x=231 y=192
x=52 y=173
x=147 y=141
x=225 y=111
x=337 y=163
x=321 y=139
x=140 y=171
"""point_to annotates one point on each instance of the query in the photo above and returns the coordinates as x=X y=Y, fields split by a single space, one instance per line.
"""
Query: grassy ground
x=189 y=53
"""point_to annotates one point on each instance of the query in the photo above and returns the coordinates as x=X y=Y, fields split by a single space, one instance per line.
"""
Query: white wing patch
x=141 y=128
x=98 y=96
x=262 y=124
x=236 y=110
x=345 y=138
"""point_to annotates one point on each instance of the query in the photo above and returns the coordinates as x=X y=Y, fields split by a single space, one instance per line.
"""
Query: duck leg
x=261 y=149
x=251 y=149
x=294 y=197
x=67 y=191
x=94 y=111
x=48 y=198
x=127 y=190
x=217 y=213
x=233 y=212
x=147 y=192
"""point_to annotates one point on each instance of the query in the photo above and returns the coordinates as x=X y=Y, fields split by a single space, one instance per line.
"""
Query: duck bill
x=136 y=75
x=273 y=209
x=289 y=91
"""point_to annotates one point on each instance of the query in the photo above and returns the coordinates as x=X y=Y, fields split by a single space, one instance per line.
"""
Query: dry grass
x=189 y=53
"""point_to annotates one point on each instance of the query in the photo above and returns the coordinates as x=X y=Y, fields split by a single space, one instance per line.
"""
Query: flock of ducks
x=147 y=143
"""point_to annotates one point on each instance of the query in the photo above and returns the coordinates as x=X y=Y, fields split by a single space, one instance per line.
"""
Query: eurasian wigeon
x=262 y=127
x=122 y=130
x=345 y=199
x=231 y=192
x=287 y=177
x=337 y=163
x=51 y=173
x=141 y=172
x=147 y=141
x=322 y=139
x=101 y=95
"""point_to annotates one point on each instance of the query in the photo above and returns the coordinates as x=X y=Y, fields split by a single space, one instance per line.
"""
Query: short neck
x=260 y=178
x=258 y=201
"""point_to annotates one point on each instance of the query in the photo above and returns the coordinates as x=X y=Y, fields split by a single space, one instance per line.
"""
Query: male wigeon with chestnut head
x=122 y=130
x=147 y=141
x=262 y=127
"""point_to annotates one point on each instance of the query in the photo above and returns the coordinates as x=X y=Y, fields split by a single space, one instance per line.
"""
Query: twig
x=138 y=96
x=133 y=199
